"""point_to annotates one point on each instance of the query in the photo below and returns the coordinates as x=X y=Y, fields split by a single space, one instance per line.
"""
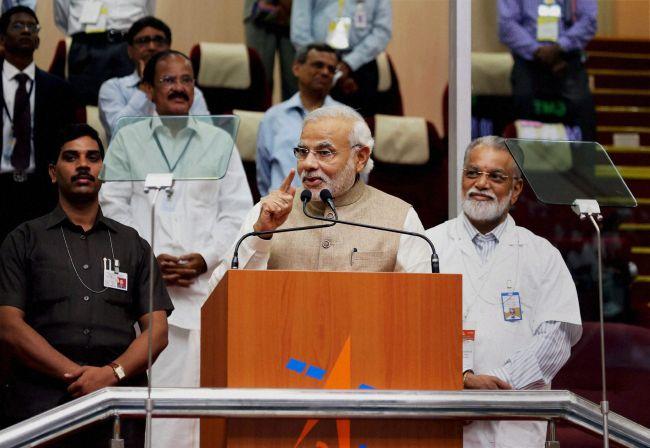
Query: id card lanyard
x=117 y=262
x=162 y=152
x=477 y=291
x=469 y=327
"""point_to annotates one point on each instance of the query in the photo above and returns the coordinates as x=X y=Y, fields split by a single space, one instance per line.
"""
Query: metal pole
x=117 y=441
x=460 y=94
x=152 y=261
x=551 y=436
x=604 y=404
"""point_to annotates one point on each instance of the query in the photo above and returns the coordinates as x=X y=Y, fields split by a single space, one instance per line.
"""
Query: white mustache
x=314 y=173
x=475 y=190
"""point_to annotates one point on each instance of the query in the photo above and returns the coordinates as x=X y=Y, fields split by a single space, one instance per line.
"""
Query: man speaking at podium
x=518 y=295
x=334 y=148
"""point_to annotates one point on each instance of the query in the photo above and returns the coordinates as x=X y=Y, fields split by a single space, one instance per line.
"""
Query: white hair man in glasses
x=334 y=149
x=518 y=295
x=194 y=227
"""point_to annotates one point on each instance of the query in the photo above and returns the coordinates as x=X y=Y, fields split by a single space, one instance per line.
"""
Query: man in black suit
x=34 y=106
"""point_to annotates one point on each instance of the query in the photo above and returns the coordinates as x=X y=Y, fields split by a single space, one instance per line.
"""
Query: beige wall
x=419 y=47
x=631 y=18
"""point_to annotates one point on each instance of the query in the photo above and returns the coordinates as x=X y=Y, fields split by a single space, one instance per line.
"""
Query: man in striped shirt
x=518 y=294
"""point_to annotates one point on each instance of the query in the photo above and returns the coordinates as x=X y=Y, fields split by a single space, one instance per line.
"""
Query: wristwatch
x=118 y=371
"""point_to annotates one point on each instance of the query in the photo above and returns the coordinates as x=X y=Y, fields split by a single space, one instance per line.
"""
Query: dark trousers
x=532 y=81
x=363 y=100
x=93 y=59
x=267 y=43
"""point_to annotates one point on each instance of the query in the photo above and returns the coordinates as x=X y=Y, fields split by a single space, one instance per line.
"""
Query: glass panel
x=559 y=172
x=192 y=148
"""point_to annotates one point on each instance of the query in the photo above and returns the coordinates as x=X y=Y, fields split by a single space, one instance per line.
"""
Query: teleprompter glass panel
x=559 y=172
x=190 y=147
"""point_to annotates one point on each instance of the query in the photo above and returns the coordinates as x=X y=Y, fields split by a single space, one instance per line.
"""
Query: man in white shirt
x=194 y=227
x=518 y=295
x=98 y=50
x=35 y=105
x=334 y=149
x=126 y=96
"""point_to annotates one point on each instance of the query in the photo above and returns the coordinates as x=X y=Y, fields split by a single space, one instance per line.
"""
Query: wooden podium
x=332 y=330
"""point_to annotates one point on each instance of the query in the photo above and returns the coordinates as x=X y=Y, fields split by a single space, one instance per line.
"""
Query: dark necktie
x=22 y=121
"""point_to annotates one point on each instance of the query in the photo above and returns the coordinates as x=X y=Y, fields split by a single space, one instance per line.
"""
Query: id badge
x=99 y=24
x=548 y=23
x=469 y=336
x=116 y=280
x=511 y=304
x=338 y=33
x=113 y=278
x=360 y=17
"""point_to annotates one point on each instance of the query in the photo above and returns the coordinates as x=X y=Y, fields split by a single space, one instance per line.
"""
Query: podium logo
x=339 y=378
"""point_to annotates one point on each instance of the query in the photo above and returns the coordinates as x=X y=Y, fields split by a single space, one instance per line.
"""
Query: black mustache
x=88 y=176
x=178 y=95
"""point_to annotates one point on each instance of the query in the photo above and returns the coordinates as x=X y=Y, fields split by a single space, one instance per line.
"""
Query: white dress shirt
x=9 y=87
x=121 y=14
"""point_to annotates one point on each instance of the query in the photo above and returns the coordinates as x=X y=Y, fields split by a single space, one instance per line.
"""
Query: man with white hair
x=520 y=306
x=334 y=148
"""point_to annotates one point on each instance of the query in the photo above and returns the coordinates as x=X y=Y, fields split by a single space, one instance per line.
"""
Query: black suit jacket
x=55 y=105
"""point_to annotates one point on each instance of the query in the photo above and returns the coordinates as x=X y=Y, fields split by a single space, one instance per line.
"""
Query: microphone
x=326 y=197
x=305 y=197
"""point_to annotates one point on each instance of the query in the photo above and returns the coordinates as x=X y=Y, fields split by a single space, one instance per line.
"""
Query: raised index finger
x=286 y=183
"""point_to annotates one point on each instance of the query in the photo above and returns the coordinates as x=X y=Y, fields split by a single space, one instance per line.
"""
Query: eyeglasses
x=158 y=40
x=29 y=26
x=493 y=176
x=322 y=155
x=170 y=81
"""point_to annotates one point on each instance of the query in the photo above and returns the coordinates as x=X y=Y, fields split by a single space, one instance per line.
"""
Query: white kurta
x=201 y=216
x=521 y=262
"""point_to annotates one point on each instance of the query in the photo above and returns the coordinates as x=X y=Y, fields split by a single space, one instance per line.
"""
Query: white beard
x=485 y=211
x=337 y=185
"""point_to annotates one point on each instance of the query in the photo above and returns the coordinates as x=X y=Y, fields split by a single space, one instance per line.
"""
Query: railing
x=305 y=403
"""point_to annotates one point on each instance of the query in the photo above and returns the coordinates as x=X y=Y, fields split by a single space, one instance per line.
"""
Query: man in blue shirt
x=125 y=96
x=547 y=39
x=280 y=128
x=360 y=29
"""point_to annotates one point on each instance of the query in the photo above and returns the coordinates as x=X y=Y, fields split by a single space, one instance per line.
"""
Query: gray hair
x=360 y=134
x=494 y=142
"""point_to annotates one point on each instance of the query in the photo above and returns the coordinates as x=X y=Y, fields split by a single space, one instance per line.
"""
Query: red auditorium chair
x=628 y=375
x=389 y=95
x=231 y=76
x=411 y=163
x=247 y=145
x=59 y=65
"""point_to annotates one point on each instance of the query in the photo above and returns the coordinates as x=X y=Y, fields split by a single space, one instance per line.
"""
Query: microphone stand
x=234 y=264
x=435 y=262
